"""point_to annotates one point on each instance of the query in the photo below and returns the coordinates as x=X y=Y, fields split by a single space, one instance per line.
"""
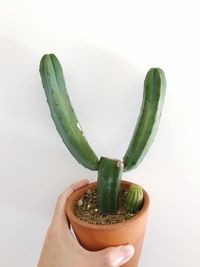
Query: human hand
x=61 y=249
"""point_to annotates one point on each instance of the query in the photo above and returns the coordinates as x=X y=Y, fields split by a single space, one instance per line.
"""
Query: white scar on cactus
x=79 y=127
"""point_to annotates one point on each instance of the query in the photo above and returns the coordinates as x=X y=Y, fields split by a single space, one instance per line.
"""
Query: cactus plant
x=63 y=113
x=134 y=198
x=66 y=122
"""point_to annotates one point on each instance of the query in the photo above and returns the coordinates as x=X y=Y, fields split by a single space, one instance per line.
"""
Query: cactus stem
x=108 y=184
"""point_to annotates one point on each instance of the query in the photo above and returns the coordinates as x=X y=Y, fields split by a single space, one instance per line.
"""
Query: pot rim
x=70 y=203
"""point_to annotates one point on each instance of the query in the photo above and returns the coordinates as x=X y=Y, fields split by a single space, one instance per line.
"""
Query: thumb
x=113 y=256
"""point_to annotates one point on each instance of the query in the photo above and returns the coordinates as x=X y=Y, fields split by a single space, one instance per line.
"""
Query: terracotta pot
x=95 y=237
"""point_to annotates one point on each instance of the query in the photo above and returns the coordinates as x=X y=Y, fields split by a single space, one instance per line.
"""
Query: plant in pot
x=111 y=211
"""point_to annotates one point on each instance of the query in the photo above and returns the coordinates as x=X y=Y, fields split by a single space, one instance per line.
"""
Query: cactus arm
x=147 y=124
x=63 y=113
x=108 y=184
x=134 y=199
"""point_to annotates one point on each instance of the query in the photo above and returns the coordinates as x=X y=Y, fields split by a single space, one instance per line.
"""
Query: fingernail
x=124 y=254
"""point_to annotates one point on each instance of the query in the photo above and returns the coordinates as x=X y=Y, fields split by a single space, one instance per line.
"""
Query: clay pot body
x=96 y=237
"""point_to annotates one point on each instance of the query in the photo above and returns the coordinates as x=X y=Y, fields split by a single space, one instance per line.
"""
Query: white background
x=106 y=48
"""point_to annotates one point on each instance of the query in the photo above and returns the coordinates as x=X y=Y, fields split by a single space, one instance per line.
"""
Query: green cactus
x=134 y=198
x=148 y=121
x=108 y=184
x=64 y=117
x=63 y=113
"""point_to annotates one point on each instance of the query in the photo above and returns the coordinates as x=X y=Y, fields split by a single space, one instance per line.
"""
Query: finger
x=60 y=216
x=112 y=257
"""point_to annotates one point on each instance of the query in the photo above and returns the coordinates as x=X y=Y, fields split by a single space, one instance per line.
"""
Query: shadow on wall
x=35 y=165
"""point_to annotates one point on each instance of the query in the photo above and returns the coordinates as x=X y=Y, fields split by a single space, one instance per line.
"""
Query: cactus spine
x=109 y=170
x=134 y=199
